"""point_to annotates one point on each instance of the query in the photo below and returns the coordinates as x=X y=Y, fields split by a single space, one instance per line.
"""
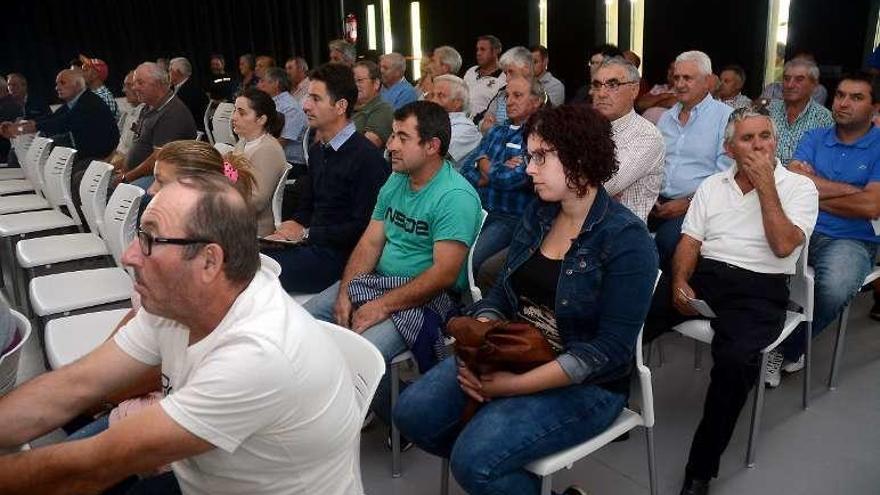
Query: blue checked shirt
x=509 y=190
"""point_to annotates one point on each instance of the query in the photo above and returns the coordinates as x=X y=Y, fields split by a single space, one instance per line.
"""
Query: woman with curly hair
x=581 y=268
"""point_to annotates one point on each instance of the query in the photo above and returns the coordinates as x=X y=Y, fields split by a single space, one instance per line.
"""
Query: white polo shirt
x=730 y=225
x=267 y=387
x=482 y=88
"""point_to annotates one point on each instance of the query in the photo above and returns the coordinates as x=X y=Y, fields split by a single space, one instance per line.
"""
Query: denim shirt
x=604 y=289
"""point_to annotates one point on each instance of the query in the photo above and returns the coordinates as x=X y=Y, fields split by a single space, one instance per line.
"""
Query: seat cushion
x=60 y=292
x=59 y=248
x=72 y=337
x=33 y=221
x=14 y=186
x=22 y=202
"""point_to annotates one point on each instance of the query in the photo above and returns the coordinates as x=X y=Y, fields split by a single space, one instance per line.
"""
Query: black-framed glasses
x=146 y=241
x=611 y=84
x=538 y=156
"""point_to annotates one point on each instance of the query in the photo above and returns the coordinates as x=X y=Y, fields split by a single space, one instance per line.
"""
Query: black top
x=340 y=193
x=195 y=100
x=91 y=124
x=535 y=286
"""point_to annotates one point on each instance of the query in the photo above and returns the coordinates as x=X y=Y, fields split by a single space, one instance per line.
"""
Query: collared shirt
x=814 y=116
x=640 y=153
x=730 y=227
x=773 y=91
x=301 y=91
x=738 y=101
x=341 y=137
x=857 y=164
x=696 y=150
x=398 y=95
x=109 y=99
x=465 y=136
x=554 y=88
x=72 y=103
x=509 y=190
x=178 y=85
x=295 y=125
x=483 y=88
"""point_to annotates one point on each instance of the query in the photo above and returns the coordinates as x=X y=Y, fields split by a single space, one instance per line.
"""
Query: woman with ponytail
x=257 y=124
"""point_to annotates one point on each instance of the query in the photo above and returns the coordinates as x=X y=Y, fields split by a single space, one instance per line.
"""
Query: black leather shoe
x=695 y=487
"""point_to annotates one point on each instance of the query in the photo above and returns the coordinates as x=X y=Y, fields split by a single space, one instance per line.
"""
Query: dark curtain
x=730 y=32
x=571 y=33
x=39 y=38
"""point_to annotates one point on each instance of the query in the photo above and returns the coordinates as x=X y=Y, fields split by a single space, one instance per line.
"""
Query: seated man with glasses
x=237 y=356
x=740 y=242
x=639 y=145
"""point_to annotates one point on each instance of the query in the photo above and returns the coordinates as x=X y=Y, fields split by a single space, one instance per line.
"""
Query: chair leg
x=838 y=348
x=808 y=362
x=444 y=477
x=660 y=355
x=652 y=462
x=698 y=355
x=757 y=410
x=395 y=433
x=547 y=485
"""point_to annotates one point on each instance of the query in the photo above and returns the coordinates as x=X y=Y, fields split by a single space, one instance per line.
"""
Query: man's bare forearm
x=684 y=262
x=782 y=235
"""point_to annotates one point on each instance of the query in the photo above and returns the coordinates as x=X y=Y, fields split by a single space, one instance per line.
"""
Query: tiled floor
x=832 y=448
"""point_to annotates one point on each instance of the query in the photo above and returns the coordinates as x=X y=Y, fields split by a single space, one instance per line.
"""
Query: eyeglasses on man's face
x=611 y=84
x=147 y=240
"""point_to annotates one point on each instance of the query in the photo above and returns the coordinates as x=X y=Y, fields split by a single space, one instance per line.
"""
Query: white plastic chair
x=206 y=119
x=72 y=337
x=17 y=180
x=801 y=294
x=841 y=334
x=278 y=195
x=9 y=361
x=32 y=163
x=222 y=122
x=65 y=292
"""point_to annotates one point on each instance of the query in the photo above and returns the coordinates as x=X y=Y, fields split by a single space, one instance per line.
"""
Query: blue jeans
x=487 y=456
x=144 y=183
x=496 y=235
x=667 y=235
x=308 y=268
x=841 y=266
x=383 y=335
x=91 y=429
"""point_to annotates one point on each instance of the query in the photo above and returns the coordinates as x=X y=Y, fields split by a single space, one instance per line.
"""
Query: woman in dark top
x=581 y=268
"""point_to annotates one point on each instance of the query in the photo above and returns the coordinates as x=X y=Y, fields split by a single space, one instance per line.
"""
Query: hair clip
x=230 y=172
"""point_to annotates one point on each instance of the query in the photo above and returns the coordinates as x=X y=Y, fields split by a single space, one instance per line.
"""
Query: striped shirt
x=640 y=156
x=509 y=190
x=109 y=99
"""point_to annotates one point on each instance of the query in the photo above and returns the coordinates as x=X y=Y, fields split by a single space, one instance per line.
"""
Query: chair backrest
x=206 y=119
x=645 y=387
x=21 y=144
x=57 y=172
x=222 y=121
x=278 y=195
x=34 y=161
x=364 y=361
x=9 y=361
x=801 y=285
x=93 y=194
x=223 y=148
x=476 y=293
x=120 y=219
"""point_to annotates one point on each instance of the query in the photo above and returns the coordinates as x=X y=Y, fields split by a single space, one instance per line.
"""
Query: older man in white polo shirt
x=740 y=241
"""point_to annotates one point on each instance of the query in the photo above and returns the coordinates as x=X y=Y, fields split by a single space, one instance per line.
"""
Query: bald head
x=69 y=83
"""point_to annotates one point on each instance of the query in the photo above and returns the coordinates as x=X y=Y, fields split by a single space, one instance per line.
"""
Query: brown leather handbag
x=497 y=345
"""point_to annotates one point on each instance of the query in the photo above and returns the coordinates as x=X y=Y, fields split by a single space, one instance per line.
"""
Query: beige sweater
x=267 y=161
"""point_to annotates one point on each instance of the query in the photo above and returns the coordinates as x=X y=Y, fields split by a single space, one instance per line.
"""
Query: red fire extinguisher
x=351 y=28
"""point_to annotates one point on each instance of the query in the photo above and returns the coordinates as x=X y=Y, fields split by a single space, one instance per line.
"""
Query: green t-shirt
x=447 y=208
x=375 y=117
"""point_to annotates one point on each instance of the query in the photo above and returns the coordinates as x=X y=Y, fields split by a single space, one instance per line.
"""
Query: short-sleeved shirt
x=447 y=208
x=730 y=226
x=465 y=136
x=696 y=150
x=814 y=116
x=267 y=387
x=857 y=164
x=375 y=117
x=169 y=121
x=399 y=94
x=483 y=88
x=295 y=125
x=738 y=101
x=109 y=99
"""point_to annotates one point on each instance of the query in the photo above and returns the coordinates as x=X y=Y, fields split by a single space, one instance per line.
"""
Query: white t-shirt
x=730 y=226
x=482 y=88
x=268 y=388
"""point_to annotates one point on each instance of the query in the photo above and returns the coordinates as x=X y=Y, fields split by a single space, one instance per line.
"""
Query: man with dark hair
x=403 y=279
x=275 y=83
x=372 y=114
x=263 y=63
x=220 y=84
x=554 y=87
x=729 y=91
x=233 y=373
x=597 y=55
x=246 y=65
x=298 y=73
x=844 y=163
x=486 y=78
x=345 y=173
x=29 y=106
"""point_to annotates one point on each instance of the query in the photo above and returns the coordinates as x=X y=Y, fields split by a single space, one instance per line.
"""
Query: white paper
x=876 y=224
x=702 y=307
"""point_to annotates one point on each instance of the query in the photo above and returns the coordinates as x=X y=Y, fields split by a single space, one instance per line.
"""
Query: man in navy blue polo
x=844 y=163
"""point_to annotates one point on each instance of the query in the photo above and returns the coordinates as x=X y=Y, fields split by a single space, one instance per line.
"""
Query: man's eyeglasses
x=147 y=240
x=611 y=84
x=538 y=156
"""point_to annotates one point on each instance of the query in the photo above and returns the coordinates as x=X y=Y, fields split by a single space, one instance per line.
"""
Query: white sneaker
x=773 y=373
x=794 y=366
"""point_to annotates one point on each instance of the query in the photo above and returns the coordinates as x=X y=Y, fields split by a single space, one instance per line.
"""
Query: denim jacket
x=604 y=289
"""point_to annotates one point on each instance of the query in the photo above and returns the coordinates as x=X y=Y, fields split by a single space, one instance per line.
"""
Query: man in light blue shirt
x=275 y=83
x=693 y=131
x=396 y=90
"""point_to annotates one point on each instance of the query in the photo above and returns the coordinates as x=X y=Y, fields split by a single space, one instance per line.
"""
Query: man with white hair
x=164 y=118
x=451 y=93
x=342 y=52
x=554 y=87
x=797 y=112
x=275 y=83
x=180 y=73
x=446 y=60
x=486 y=78
x=396 y=90
x=516 y=62
x=693 y=130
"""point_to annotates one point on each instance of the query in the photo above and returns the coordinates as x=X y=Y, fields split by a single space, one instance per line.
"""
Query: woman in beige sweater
x=256 y=122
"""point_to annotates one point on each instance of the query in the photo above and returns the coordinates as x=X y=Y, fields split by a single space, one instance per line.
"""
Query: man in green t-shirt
x=372 y=115
x=412 y=255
